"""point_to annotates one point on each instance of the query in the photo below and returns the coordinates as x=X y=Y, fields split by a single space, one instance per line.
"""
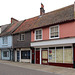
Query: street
x=13 y=70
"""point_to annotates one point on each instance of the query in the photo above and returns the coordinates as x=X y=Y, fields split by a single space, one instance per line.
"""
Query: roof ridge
x=19 y=25
x=59 y=9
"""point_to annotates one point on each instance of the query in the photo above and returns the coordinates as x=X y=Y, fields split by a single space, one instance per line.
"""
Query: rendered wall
x=65 y=30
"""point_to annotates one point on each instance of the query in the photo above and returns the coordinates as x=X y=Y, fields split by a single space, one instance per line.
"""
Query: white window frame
x=63 y=53
x=21 y=37
x=50 y=32
x=6 y=51
x=3 y=42
x=35 y=34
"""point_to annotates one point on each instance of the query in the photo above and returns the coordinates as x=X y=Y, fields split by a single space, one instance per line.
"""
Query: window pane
x=40 y=37
x=25 y=54
x=22 y=37
x=52 y=29
x=56 y=34
x=52 y=35
x=56 y=29
x=52 y=55
x=39 y=31
x=5 y=53
x=68 y=55
x=59 y=55
x=44 y=54
x=37 y=37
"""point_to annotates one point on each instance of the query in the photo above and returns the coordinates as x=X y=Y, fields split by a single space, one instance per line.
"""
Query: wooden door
x=44 y=56
x=37 y=57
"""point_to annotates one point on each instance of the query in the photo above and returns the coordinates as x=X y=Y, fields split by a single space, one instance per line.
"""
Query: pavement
x=43 y=68
x=15 y=70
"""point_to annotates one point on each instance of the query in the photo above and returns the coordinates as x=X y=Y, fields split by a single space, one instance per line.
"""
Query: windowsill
x=54 y=38
x=38 y=39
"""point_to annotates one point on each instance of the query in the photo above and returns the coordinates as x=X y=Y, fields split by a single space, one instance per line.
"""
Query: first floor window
x=5 y=40
x=38 y=34
x=5 y=53
x=54 y=31
x=22 y=37
x=25 y=54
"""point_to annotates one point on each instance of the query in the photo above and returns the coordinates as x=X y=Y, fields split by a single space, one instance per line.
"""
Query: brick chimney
x=13 y=20
x=42 y=11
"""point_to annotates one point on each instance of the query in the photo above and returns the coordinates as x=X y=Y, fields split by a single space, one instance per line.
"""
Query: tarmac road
x=14 y=70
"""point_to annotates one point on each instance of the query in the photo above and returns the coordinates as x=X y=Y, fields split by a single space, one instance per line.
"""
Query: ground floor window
x=60 y=54
x=68 y=55
x=5 y=53
x=25 y=54
x=52 y=54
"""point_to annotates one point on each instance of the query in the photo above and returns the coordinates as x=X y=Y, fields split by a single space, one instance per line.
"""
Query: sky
x=24 y=9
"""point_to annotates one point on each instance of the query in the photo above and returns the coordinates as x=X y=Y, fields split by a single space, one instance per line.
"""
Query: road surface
x=14 y=70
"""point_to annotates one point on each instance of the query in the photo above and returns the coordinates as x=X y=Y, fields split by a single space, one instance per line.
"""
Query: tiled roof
x=57 y=16
x=10 y=28
x=54 y=17
x=26 y=25
x=3 y=27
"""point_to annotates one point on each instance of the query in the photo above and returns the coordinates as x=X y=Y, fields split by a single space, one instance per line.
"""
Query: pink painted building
x=53 y=37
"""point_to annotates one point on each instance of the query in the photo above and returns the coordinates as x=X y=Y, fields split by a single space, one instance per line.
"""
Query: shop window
x=54 y=31
x=51 y=56
x=59 y=54
x=25 y=54
x=5 y=53
x=68 y=55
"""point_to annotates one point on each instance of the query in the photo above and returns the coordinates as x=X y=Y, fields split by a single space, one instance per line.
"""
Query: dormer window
x=54 y=31
x=38 y=34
